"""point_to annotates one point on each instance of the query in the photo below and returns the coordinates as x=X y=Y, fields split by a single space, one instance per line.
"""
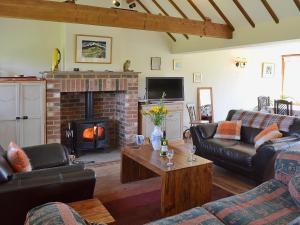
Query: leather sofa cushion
x=240 y=154
x=47 y=156
x=5 y=170
x=216 y=146
x=248 y=134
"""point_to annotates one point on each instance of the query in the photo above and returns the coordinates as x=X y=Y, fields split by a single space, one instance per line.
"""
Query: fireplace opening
x=93 y=132
x=90 y=133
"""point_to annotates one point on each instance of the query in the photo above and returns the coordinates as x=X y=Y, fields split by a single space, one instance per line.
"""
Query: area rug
x=143 y=208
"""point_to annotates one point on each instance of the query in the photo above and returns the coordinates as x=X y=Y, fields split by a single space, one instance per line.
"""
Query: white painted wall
x=26 y=45
x=26 y=48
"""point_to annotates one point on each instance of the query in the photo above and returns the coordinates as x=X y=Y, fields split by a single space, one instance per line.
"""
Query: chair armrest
x=48 y=171
x=205 y=130
x=47 y=156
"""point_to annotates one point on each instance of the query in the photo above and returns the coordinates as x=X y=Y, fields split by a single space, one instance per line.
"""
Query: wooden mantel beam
x=82 y=14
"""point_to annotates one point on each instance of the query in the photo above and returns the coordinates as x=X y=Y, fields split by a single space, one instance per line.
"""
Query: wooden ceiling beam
x=178 y=9
x=180 y=12
x=297 y=2
x=270 y=10
x=243 y=11
x=148 y=11
x=220 y=12
x=165 y=13
x=83 y=14
x=197 y=9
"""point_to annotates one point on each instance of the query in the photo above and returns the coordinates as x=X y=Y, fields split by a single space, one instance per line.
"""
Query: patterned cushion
x=287 y=164
x=269 y=203
x=53 y=213
x=18 y=158
x=229 y=130
x=294 y=189
x=196 y=215
x=267 y=134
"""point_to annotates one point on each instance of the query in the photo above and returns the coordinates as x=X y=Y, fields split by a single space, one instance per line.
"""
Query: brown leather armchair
x=53 y=178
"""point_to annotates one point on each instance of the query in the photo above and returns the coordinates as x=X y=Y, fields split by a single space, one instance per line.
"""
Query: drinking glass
x=191 y=158
x=170 y=154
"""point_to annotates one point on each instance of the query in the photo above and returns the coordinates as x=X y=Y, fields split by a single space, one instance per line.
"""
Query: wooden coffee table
x=92 y=210
x=184 y=186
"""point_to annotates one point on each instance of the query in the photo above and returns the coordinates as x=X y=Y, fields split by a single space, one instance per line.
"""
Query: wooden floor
x=109 y=187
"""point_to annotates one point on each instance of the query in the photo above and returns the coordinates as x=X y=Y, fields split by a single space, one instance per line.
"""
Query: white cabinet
x=174 y=120
x=22 y=113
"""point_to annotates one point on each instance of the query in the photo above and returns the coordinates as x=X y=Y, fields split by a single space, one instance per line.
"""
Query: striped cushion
x=229 y=130
x=269 y=203
x=294 y=189
x=53 y=213
x=287 y=165
x=193 y=216
x=267 y=134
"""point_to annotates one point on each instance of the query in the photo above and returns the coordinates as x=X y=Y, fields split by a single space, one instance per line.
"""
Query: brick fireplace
x=115 y=98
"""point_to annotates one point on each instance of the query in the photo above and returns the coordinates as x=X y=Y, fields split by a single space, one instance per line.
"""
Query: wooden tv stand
x=174 y=120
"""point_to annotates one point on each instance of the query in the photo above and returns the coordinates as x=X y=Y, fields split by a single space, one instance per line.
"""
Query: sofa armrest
x=287 y=165
x=265 y=156
x=48 y=171
x=205 y=131
x=47 y=156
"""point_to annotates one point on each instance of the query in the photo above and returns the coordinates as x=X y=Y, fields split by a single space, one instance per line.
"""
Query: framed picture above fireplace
x=93 y=49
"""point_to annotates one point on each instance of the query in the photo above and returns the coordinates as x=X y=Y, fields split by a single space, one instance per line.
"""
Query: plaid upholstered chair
x=283 y=107
x=262 y=102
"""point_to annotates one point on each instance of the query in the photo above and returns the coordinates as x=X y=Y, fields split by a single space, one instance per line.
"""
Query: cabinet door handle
x=18 y=118
x=25 y=117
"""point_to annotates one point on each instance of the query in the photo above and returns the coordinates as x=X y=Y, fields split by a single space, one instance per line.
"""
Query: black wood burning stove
x=90 y=133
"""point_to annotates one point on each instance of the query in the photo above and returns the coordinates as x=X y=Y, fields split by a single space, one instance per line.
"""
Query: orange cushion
x=267 y=134
x=229 y=130
x=18 y=158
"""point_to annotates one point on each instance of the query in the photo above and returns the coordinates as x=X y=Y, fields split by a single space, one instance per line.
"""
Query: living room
x=232 y=68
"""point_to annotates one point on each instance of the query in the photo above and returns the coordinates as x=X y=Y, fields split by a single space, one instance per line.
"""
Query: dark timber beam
x=148 y=11
x=83 y=14
x=297 y=2
x=243 y=11
x=217 y=8
x=165 y=13
x=197 y=9
x=270 y=10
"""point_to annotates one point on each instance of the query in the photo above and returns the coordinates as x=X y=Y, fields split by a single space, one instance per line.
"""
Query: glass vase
x=156 y=136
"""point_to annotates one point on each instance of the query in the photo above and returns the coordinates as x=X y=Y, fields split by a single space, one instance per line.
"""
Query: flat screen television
x=172 y=86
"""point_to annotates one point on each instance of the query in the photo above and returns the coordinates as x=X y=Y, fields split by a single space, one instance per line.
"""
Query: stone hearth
x=117 y=99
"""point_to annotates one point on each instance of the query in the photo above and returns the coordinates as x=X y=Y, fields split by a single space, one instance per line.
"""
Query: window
x=291 y=77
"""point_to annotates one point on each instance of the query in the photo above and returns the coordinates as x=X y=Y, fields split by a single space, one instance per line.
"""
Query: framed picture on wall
x=177 y=64
x=197 y=77
x=93 y=49
x=268 y=70
x=155 y=63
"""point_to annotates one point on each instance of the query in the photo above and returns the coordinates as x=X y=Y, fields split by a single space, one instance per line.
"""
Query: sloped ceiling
x=265 y=29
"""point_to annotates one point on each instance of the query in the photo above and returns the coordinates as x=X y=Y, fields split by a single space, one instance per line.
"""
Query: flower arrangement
x=157 y=113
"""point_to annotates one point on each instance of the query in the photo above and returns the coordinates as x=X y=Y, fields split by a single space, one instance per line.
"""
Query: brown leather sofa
x=53 y=178
x=241 y=156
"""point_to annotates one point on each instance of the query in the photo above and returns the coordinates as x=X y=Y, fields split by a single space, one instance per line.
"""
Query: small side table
x=93 y=211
